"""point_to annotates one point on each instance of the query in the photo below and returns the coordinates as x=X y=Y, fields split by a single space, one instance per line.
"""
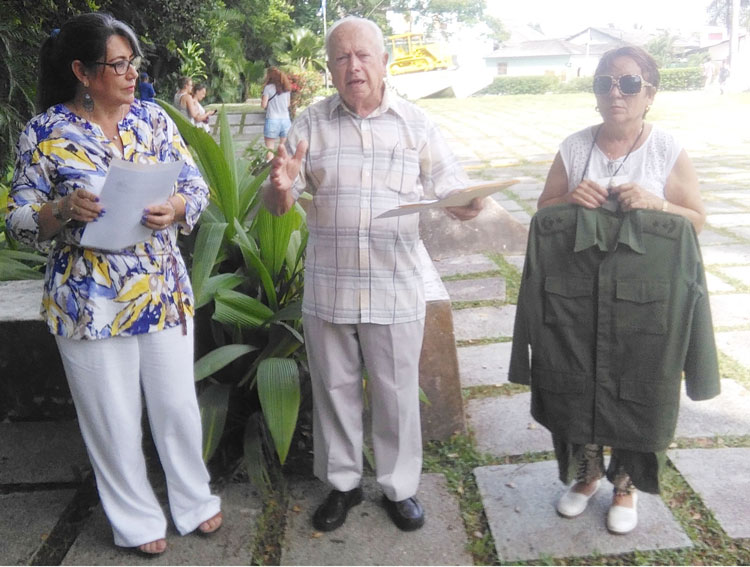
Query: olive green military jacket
x=614 y=307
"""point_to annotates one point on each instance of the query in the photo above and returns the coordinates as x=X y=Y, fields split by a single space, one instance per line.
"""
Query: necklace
x=619 y=167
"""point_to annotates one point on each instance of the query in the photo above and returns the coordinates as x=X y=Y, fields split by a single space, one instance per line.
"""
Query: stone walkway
x=46 y=494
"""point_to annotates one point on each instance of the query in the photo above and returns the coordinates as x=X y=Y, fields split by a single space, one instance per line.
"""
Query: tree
x=301 y=48
x=720 y=13
x=661 y=49
x=440 y=12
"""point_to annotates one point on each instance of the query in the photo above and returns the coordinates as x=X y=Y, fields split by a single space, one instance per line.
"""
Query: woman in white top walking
x=275 y=100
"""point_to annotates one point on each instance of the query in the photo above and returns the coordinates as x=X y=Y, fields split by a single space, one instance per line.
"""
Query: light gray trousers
x=391 y=356
x=106 y=377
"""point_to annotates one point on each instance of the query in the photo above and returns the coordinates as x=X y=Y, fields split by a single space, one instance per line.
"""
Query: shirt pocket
x=641 y=306
x=650 y=394
x=568 y=301
x=403 y=173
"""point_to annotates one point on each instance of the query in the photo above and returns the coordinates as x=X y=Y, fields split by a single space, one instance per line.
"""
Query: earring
x=648 y=107
x=596 y=108
x=88 y=103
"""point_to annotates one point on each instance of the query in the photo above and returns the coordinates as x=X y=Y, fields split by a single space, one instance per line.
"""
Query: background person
x=359 y=153
x=146 y=89
x=122 y=320
x=275 y=100
x=198 y=114
x=183 y=98
x=660 y=176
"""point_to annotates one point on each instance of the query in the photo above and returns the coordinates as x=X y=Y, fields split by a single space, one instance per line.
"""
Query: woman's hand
x=159 y=217
x=588 y=194
x=633 y=196
x=81 y=206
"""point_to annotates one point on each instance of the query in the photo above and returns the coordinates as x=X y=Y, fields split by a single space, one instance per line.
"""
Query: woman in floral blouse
x=122 y=319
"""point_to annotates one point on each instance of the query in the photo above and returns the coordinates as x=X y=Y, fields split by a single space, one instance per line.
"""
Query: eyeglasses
x=121 y=67
x=628 y=84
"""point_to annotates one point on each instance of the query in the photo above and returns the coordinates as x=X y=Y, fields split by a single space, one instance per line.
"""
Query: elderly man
x=360 y=153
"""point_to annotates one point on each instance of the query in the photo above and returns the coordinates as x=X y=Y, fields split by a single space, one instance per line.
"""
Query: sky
x=563 y=17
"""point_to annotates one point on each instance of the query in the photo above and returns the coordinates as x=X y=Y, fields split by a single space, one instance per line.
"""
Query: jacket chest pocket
x=568 y=301
x=641 y=306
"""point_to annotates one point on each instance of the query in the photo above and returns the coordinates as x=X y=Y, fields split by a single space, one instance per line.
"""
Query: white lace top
x=648 y=166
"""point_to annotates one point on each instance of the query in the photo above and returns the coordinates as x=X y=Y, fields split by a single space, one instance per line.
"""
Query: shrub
x=682 y=79
x=577 y=85
x=539 y=84
x=304 y=86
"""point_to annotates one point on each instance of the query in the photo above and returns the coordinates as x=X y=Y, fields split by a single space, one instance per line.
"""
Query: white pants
x=391 y=355
x=106 y=377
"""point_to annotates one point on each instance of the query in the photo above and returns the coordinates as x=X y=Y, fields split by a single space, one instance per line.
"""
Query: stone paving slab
x=741 y=231
x=729 y=254
x=735 y=344
x=519 y=501
x=37 y=452
x=741 y=273
x=708 y=237
x=468 y=264
x=729 y=219
x=730 y=310
x=484 y=365
x=516 y=261
x=476 y=289
x=716 y=284
x=483 y=322
x=21 y=300
x=503 y=426
x=725 y=494
x=231 y=545
x=26 y=519
x=726 y=414
x=369 y=537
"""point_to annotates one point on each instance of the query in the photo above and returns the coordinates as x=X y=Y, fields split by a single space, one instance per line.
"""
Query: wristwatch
x=57 y=212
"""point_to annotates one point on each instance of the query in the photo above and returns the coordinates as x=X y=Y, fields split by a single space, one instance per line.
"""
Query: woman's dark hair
x=84 y=38
x=198 y=86
x=642 y=58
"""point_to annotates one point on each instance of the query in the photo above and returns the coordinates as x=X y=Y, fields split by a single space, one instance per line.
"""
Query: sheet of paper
x=128 y=189
x=455 y=199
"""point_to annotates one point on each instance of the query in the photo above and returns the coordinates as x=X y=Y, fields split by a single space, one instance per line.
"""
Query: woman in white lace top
x=634 y=163
x=622 y=164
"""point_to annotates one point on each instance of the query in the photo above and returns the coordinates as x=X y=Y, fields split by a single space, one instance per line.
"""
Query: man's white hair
x=359 y=21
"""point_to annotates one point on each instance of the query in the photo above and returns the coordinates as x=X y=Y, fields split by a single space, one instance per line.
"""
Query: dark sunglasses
x=628 y=84
x=121 y=67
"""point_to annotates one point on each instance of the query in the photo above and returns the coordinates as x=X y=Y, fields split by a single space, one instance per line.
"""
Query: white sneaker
x=621 y=519
x=573 y=504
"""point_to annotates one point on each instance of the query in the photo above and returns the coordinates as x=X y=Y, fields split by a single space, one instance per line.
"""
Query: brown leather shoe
x=331 y=514
x=407 y=514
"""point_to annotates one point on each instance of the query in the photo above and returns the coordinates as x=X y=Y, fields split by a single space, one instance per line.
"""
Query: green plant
x=247 y=279
x=681 y=79
x=301 y=48
x=16 y=262
x=191 y=60
x=304 y=86
x=522 y=85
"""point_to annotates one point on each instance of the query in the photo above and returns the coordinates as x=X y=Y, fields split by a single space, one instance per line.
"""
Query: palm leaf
x=207 y=246
x=238 y=309
x=254 y=456
x=218 y=359
x=214 y=404
x=273 y=236
x=279 y=393
x=249 y=253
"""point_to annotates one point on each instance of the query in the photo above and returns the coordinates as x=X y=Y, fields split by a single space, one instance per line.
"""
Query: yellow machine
x=411 y=54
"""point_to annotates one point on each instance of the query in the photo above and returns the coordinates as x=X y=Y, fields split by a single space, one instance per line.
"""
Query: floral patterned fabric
x=88 y=293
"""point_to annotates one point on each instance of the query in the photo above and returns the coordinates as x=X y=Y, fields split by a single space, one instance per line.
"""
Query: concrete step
x=369 y=537
x=721 y=479
x=519 y=501
x=230 y=545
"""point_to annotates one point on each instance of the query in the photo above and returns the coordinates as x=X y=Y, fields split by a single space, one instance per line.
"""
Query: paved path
x=49 y=512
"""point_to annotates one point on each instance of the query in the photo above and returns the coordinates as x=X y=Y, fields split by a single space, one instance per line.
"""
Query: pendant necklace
x=619 y=167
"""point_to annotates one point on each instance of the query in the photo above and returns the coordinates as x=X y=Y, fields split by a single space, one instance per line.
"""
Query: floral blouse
x=89 y=293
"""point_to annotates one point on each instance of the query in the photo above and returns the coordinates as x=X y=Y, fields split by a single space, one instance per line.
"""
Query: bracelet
x=57 y=211
x=664 y=205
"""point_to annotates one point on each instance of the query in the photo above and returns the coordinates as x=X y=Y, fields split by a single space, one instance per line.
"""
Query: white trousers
x=391 y=356
x=106 y=377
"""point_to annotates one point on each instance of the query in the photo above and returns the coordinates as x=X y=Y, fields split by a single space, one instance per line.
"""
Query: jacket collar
x=595 y=227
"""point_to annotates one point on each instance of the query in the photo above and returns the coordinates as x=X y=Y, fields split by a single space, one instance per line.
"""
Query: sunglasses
x=628 y=84
x=121 y=67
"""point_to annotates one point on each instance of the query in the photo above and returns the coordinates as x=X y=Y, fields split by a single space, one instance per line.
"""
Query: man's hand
x=467 y=212
x=284 y=170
